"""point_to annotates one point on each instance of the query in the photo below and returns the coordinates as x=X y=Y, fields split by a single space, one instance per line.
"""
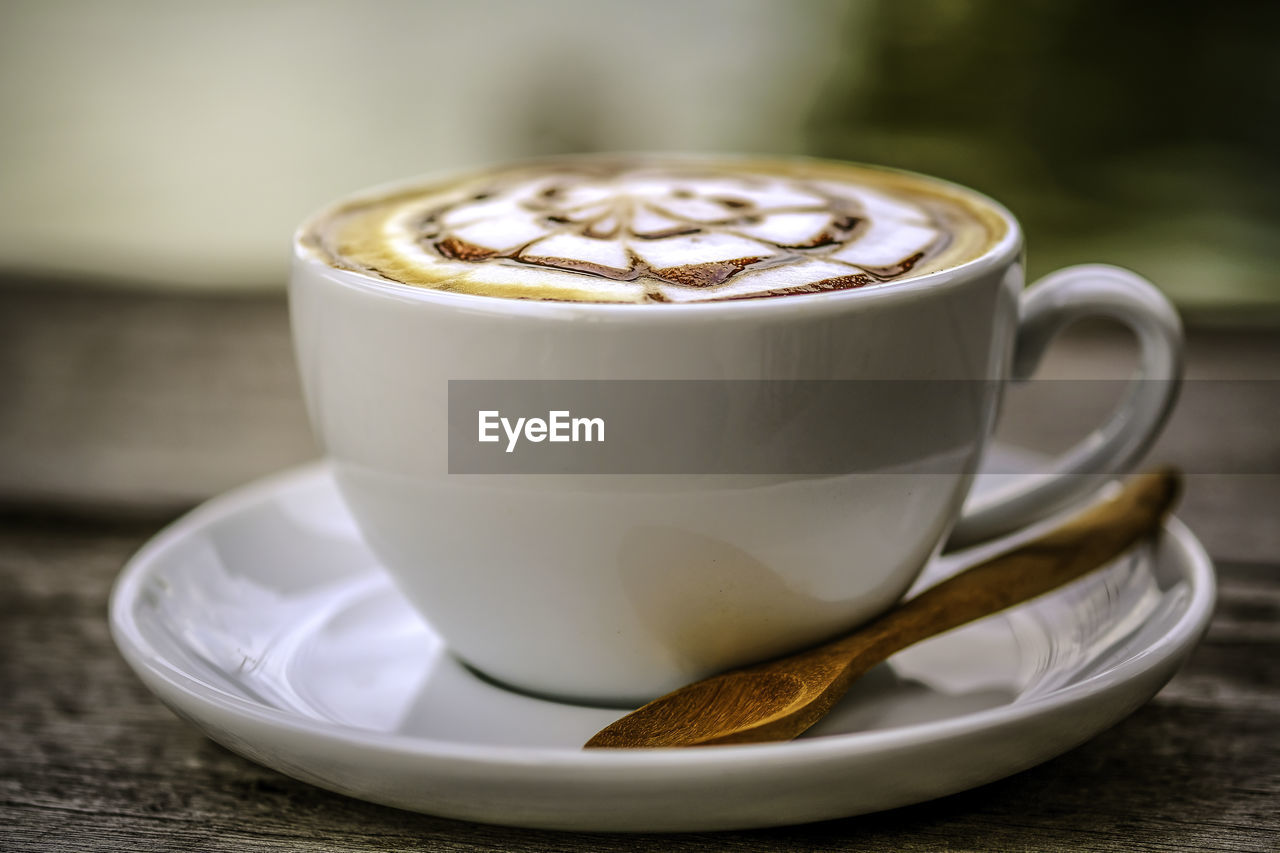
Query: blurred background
x=176 y=144
x=156 y=155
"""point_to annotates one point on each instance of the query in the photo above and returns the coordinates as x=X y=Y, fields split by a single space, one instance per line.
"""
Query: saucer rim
x=167 y=679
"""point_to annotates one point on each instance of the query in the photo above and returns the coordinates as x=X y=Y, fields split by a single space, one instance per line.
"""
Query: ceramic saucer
x=262 y=618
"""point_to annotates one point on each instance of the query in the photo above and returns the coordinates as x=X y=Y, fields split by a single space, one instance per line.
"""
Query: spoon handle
x=779 y=699
x=1086 y=542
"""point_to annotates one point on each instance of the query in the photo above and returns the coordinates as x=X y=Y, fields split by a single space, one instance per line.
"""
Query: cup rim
x=1005 y=250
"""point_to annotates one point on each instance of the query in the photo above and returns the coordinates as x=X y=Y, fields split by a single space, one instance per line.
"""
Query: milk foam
x=657 y=231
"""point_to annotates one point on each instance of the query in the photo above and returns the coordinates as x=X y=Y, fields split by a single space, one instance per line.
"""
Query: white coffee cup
x=615 y=588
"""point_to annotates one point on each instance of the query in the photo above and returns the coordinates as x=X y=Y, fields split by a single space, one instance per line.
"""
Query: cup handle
x=1056 y=301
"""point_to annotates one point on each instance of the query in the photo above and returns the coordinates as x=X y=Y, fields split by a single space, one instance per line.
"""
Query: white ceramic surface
x=676 y=577
x=264 y=619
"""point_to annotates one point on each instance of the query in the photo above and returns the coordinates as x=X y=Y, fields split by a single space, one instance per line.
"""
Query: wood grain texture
x=90 y=761
x=201 y=394
x=143 y=404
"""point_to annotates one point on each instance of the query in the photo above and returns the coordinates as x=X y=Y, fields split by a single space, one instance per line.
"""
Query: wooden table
x=120 y=410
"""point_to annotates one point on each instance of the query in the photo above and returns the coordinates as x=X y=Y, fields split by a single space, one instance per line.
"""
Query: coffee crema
x=658 y=229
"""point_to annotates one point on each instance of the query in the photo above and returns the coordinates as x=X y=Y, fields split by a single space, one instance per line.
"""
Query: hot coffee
x=618 y=587
x=649 y=229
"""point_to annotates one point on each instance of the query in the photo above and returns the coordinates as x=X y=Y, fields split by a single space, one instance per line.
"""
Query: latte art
x=656 y=231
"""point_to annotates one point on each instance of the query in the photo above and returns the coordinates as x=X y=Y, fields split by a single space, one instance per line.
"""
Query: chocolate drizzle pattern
x=639 y=232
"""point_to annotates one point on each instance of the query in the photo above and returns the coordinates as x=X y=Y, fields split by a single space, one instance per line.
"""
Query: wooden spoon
x=779 y=699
